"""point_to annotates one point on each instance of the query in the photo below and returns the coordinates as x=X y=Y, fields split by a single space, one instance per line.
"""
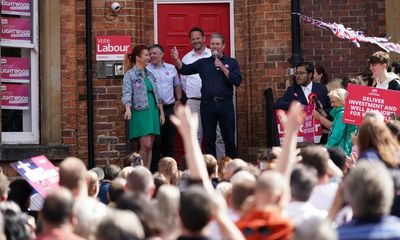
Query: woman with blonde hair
x=340 y=135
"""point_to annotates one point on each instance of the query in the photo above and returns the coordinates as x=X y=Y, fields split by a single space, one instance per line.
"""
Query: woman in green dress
x=143 y=106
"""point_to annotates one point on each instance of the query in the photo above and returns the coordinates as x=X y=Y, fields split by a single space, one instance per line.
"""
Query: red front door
x=176 y=20
x=174 y=24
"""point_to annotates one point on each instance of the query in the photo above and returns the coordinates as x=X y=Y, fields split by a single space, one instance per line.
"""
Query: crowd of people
x=308 y=193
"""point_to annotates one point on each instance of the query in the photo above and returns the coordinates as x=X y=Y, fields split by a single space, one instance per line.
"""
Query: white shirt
x=307 y=90
x=385 y=84
x=191 y=84
x=299 y=212
x=214 y=232
x=166 y=79
x=323 y=195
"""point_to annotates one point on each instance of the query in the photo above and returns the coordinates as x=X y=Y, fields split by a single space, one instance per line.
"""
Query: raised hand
x=174 y=53
x=294 y=118
x=185 y=121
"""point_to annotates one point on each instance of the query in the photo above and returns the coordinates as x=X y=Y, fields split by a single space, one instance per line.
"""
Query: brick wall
x=340 y=57
x=69 y=96
x=263 y=47
x=109 y=127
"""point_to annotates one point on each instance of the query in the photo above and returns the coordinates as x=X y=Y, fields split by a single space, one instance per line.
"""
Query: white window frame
x=231 y=16
x=33 y=136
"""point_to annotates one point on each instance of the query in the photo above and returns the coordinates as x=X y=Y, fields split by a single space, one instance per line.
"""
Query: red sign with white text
x=16 y=7
x=14 y=70
x=111 y=48
x=15 y=96
x=363 y=99
x=308 y=125
x=16 y=29
x=302 y=137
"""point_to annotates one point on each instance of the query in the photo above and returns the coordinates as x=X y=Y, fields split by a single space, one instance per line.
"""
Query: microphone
x=215 y=55
x=315 y=101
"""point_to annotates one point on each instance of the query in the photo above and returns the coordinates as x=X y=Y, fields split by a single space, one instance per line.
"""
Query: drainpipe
x=89 y=82
x=296 y=49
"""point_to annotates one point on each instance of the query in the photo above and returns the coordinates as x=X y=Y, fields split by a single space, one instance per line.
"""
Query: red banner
x=16 y=29
x=308 y=125
x=312 y=128
x=15 y=96
x=364 y=99
x=111 y=48
x=16 y=7
x=15 y=70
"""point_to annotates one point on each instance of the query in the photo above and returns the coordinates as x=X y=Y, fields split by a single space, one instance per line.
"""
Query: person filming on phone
x=219 y=74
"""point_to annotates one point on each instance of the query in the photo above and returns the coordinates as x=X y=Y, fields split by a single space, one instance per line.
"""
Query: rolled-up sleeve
x=234 y=74
x=127 y=90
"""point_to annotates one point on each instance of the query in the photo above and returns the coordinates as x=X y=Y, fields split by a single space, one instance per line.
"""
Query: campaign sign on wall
x=362 y=99
x=15 y=70
x=310 y=128
x=112 y=48
x=16 y=7
x=16 y=29
x=15 y=96
x=41 y=174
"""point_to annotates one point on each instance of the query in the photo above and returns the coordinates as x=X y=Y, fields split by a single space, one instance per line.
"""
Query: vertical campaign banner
x=308 y=125
x=112 y=48
x=15 y=70
x=316 y=130
x=15 y=96
x=362 y=99
x=16 y=29
x=41 y=174
x=16 y=7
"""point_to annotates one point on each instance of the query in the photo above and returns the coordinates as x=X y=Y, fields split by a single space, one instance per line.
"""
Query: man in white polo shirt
x=191 y=84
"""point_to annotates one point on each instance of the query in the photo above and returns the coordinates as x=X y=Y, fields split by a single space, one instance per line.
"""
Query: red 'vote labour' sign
x=110 y=48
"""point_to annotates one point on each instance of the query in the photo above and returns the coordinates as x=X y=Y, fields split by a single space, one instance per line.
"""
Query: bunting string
x=349 y=34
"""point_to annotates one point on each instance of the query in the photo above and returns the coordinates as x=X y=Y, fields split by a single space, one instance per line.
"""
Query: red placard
x=111 y=48
x=316 y=133
x=41 y=174
x=16 y=29
x=15 y=70
x=362 y=99
x=16 y=7
x=308 y=125
x=15 y=96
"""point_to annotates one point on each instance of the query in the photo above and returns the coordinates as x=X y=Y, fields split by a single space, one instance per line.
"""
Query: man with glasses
x=303 y=88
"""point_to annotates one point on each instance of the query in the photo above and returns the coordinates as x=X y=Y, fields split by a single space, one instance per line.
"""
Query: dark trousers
x=163 y=145
x=213 y=112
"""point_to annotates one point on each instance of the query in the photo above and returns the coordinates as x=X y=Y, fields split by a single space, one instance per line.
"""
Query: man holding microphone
x=219 y=74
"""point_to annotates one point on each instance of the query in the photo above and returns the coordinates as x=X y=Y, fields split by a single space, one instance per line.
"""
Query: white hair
x=375 y=115
x=369 y=189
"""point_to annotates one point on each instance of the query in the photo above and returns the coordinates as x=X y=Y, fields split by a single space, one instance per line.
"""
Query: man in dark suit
x=304 y=87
